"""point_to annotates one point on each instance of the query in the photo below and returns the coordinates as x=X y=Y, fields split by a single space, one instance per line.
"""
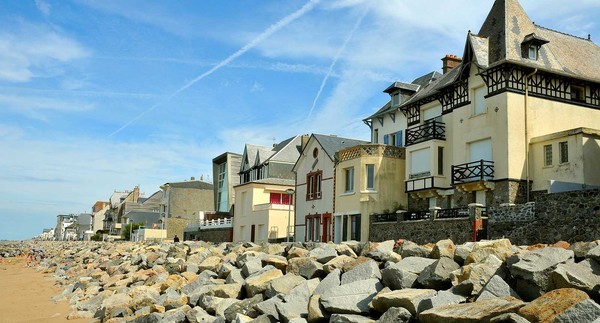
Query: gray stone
x=259 y=282
x=396 y=315
x=470 y=312
x=445 y=297
x=343 y=249
x=245 y=307
x=323 y=253
x=584 y=311
x=292 y=310
x=172 y=299
x=351 y=298
x=176 y=315
x=333 y=279
x=302 y=292
x=366 y=270
x=594 y=253
x=472 y=277
x=338 y=262
x=580 y=248
x=509 y=318
x=408 y=298
x=283 y=284
x=437 y=275
x=235 y=276
x=404 y=273
x=534 y=268
x=198 y=314
x=225 y=269
x=496 y=287
x=462 y=252
x=216 y=305
x=211 y=263
x=264 y=319
x=349 y=318
x=305 y=267
x=411 y=249
x=268 y=307
x=150 y=318
x=316 y=311
x=584 y=275
x=380 y=251
x=251 y=266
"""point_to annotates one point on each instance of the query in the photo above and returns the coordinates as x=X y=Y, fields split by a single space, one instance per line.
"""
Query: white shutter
x=481 y=149
x=420 y=161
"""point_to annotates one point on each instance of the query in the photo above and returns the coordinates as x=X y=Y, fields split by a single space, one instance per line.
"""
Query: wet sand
x=26 y=295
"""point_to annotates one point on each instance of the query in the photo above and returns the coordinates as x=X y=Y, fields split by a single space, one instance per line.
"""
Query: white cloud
x=30 y=51
x=43 y=7
x=38 y=107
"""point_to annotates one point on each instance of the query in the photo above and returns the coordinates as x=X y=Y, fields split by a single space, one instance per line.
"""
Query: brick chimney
x=304 y=141
x=450 y=62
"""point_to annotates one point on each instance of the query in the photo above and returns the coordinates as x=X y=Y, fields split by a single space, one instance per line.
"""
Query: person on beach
x=175 y=238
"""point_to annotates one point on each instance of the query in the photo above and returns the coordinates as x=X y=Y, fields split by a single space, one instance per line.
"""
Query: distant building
x=65 y=229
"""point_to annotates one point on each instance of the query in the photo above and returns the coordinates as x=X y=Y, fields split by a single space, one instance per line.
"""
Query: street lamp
x=289 y=192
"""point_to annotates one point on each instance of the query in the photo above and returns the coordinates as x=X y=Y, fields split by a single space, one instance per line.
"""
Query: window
x=313 y=185
x=279 y=198
x=395 y=99
x=392 y=139
x=419 y=163
x=315 y=152
x=375 y=136
x=370 y=171
x=577 y=93
x=440 y=161
x=563 y=148
x=547 y=155
x=432 y=113
x=222 y=189
x=355 y=227
x=349 y=172
x=532 y=52
x=479 y=106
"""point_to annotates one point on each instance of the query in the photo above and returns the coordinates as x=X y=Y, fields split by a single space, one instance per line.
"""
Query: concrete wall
x=211 y=235
x=187 y=202
x=423 y=231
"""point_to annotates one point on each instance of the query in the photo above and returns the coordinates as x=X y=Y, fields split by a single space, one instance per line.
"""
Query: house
x=226 y=168
x=98 y=214
x=263 y=199
x=111 y=223
x=515 y=113
x=315 y=181
x=83 y=226
x=64 y=229
x=184 y=202
x=145 y=212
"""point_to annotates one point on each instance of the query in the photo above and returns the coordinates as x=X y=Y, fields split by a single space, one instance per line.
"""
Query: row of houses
x=516 y=115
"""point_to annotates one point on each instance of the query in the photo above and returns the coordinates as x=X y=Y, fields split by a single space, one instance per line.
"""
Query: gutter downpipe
x=526 y=132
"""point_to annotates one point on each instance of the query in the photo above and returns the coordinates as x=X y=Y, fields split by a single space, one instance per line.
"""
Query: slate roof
x=192 y=184
x=332 y=144
x=273 y=181
x=145 y=217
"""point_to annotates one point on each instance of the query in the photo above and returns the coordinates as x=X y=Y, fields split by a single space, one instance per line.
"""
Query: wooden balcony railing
x=427 y=131
x=473 y=171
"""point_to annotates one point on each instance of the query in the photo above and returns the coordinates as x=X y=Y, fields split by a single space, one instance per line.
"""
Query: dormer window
x=395 y=99
x=531 y=45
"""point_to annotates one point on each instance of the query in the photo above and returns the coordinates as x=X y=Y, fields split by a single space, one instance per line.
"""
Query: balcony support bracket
x=476 y=186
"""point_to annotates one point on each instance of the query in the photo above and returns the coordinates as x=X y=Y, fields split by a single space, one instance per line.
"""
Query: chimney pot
x=449 y=62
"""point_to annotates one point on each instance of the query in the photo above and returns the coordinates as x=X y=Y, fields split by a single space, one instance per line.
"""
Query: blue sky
x=98 y=95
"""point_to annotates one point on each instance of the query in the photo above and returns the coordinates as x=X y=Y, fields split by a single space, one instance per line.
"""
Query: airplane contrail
x=335 y=59
x=262 y=36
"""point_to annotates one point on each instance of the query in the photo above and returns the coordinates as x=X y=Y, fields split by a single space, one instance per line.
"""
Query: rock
x=251 y=266
x=268 y=307
x=264 y=319
x=351 y=298
x=584 y=311
x=177 y=315
x=594 y=253
x=533 y=270
x=472 y=277
x=216 y=305
x=349 y=318
x=245 y=307
x=580 y=249
x=225 y=269
x=445 y=297
x=471 y=312
x=548 y=306
x=561 y=244
x=197 y=314
x=462 y=252
x=496 y=287
x=345 y=250
x=584 y=276
x=501 y=248
x=241 y=318
x=404 y=274
x=338 y=262
x=291 y=311
x=259 y=282
x=150 y=318
x=275 y=249
x=408 y=298
x=142 y=296
x=316 y=311
x=113 y=304
x=283 y=284
x=367 y=270
x=296 y=252
x=437 y=275
x=411 y=249
x=278 y=262
x=225 y=290
x=508 y=318
x=323 y=253
x=333 y=279
x=302 y=292
x=443 y=248
x=396 y=315
x=305 y=267
x=235 y=276
x=172 y=299
x=379 y=251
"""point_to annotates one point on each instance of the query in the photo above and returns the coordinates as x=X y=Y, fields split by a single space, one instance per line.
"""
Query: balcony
x=371 y=150
x=272 y=206
x=427 y=131
x=209 y=224
x=481 y=170
x=422 y=183
x=454 y=213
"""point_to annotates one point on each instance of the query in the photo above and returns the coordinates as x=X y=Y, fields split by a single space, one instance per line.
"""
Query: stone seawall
x=423 y=231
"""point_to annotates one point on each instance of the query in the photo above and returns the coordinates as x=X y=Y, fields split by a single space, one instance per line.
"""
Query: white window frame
x=349 y=179
x=370 y=177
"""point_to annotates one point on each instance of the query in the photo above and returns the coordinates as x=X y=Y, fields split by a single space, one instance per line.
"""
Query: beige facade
x=259 y=215
x=358 y=195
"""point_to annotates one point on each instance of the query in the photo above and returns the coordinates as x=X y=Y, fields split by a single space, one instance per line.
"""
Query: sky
x=101 y=95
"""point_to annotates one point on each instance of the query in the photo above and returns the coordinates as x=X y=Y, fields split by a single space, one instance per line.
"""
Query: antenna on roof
x=589 y=37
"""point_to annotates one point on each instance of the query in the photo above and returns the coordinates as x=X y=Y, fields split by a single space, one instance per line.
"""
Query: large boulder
x=339 y=262
x=333 y=279
x=396 y=315
x=471 y=312
x=404 y=273
x=366 y=270
x=584 y=275
x=443 y=248
x=548 y=306
x=472 y=277
x=323 y=253
x=501 y=248
x=259 y=282
x=411 y=249
x=245 y=307
x=283 y=284
x=380 y=251
x=408 y=298
x=306 y=267
x=445 y=297
x=584 y=311
x=496 y=287
x=351 y=298
x=437 y=275
x=532 y=270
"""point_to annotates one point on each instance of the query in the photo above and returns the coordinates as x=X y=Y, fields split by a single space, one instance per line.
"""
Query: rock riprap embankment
x=391 y=281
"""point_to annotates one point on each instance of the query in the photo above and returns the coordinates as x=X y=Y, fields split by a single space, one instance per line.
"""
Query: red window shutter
x=285 y=199
x=275 y=198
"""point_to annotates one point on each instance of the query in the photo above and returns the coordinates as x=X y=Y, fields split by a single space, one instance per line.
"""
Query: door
x=252 y=233
x=326 y=227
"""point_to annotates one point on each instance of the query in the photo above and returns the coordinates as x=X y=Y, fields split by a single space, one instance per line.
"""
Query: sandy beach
x=26 y=295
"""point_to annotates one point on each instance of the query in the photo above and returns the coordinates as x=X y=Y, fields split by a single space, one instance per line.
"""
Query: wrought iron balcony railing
x=455 y=213
x=427 y=131
x=417 y=215
x=474 y=171
x=422 y=183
